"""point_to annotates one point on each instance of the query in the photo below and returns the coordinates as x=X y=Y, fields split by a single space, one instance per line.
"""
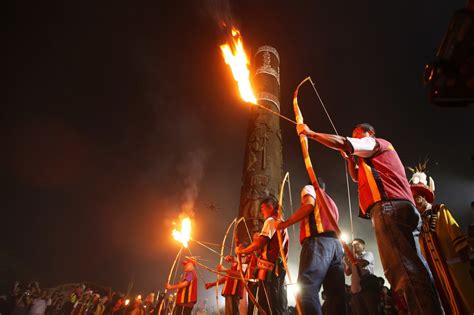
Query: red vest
x=317 y=222
x=382 y=177
x=252 y=266
x=232 y=286
x=188 y=294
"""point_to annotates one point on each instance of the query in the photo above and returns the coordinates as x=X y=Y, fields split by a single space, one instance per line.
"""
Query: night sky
x=118 y=115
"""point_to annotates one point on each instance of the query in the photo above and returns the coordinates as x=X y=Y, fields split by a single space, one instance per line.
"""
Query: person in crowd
x=39 y=304
x=118 y=305
x=50 y=309
x=99 y=310
x=22 y=304
x=385 y=198
x=385 y=304
x=202 y=308
x=148 y=305
x=74 y=297
x=445 y=247
x=135 y=307
x=365 y=287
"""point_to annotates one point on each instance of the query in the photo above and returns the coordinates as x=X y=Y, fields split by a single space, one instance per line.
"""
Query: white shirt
x=368 y=257
x=38 y=306
x=308 y=190
x=268 y=228
x=364 y=147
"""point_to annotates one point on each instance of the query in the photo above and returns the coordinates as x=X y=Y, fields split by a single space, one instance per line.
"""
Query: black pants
x=183 y=310
x=273 y=291
x=365 y=303
x=253 y=288
x=232 y=304
x=397 y=226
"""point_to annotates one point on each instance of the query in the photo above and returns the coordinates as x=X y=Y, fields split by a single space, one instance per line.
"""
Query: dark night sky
x=117 y=113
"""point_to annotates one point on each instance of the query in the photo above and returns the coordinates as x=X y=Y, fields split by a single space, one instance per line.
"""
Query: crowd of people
x=80 y=299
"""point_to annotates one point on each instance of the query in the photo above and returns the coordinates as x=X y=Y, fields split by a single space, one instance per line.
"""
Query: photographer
x=365 y=288
x=22 y=304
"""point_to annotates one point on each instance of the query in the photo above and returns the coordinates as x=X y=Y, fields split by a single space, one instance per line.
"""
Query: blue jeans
x=397 y=226
x=321 y=264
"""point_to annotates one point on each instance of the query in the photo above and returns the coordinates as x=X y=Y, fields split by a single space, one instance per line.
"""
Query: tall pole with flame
x=263 y=159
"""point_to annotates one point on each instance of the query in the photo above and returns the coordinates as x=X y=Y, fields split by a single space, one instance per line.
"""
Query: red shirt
x=382 y=177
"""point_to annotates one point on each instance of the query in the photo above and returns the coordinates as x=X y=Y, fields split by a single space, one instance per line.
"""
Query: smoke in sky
x=192 y=172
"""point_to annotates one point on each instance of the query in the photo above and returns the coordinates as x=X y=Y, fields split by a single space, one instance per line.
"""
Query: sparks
x=183 y=236
x=235 y=56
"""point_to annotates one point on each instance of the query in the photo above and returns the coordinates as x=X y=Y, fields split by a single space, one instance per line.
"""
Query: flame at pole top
x=235 y=56
x=183 y=236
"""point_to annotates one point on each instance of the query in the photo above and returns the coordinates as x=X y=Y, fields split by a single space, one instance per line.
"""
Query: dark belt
x=381 y=202
x=325 y=234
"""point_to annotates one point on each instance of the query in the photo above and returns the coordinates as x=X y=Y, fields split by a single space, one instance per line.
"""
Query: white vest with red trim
x=271 y=250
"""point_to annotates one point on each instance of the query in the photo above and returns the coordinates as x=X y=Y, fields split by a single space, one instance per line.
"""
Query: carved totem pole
x=263 y=160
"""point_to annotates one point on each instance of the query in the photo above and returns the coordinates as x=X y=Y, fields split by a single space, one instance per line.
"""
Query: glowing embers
x=235 y=56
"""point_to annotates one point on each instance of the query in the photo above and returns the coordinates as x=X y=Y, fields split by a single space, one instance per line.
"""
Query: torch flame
x=184 y=235
x=235 y=56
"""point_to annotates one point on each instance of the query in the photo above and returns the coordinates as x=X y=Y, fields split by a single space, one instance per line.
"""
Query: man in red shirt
x=385 y=197
x=321 y=254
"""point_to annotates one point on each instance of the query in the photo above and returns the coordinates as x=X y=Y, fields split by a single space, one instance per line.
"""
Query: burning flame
x=235 y=56
x=184 y=235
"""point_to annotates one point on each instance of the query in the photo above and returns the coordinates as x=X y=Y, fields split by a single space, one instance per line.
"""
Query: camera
x=450 y=77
